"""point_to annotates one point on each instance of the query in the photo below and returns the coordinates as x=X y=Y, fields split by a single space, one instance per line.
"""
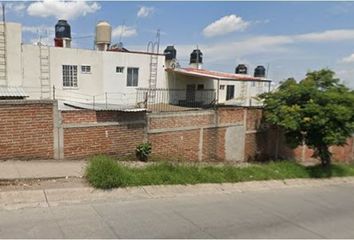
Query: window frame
x=72 y=76
x=119 y=67
x=132 y=80
x=85 y=67
x=200 y=87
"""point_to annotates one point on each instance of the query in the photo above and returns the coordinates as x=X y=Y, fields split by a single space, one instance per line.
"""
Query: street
x=298 y=212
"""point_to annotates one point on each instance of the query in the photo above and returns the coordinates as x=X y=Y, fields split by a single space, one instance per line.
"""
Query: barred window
x=119 y=69
x=69 y=76
x=85 y=69
x=132 y=77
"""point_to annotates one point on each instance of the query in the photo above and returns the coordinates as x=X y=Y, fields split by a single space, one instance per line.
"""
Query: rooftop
x=216 y=75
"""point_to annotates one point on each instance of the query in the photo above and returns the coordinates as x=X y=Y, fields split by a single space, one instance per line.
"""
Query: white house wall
x=115 y=84
x=13 y=51
x=30 y=70
x=23 y=66
x=89 y=84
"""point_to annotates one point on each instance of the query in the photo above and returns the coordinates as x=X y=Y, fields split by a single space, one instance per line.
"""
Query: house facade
x=112 y=74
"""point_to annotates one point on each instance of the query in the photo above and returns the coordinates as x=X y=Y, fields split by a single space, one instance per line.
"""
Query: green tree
x=318 y=110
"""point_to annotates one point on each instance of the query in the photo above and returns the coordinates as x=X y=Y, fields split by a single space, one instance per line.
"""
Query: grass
x=105 y=172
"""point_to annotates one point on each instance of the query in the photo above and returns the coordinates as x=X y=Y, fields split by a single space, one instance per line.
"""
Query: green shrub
x=143 y=151
x=104 y=172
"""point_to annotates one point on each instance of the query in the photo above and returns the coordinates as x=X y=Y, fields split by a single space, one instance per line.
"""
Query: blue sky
x=289 y=37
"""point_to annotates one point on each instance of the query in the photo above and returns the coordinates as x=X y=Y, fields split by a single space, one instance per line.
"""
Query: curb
x=10 y=200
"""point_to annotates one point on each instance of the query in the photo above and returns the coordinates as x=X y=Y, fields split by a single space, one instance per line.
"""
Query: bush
x=104 y=172
x=143 y=151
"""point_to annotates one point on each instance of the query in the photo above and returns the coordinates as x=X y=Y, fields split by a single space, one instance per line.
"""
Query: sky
x=288 y=38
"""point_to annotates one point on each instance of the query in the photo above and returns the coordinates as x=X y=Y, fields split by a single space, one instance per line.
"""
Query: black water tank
x=170 y=53
x=259 y=71
x=62 y=29
x=241 y=69
x=196 y=56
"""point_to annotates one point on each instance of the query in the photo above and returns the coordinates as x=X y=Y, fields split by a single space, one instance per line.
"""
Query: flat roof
x=216 y=75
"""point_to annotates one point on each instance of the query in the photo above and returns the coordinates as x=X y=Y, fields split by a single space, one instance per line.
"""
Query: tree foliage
x=318 y=109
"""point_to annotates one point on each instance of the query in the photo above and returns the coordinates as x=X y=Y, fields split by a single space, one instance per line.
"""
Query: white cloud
x=145 y=11
x=16 y=7
x=124 y=31
x=62 y=9
x=225 y=25
x=326 y=36
x=19 y=7
x=224 y=52
x=349 y=59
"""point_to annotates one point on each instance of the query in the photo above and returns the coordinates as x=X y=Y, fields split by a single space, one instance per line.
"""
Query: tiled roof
x=215 y=75
x=12 y=92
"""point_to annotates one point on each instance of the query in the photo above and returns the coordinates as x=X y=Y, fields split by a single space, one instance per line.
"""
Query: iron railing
x=162 y=99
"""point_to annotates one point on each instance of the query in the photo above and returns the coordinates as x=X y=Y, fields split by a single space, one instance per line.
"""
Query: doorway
x=190 y=93
x=230 y=92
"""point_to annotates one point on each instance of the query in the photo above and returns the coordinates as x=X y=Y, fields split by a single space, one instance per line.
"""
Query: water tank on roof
x=241 y=69
x=62 y=29
x=103 y=35
x=259 y=71
x=196 y=56
x=170 y=53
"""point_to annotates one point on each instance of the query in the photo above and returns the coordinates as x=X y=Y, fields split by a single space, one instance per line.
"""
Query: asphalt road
x=300 y=212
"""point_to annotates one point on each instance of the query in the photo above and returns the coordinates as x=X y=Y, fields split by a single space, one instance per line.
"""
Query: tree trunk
x=325 y=155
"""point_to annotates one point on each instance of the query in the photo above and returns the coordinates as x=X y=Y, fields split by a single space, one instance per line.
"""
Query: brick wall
x=26 y=130
x=87 y=133
x=192 y=135
x=34 y=130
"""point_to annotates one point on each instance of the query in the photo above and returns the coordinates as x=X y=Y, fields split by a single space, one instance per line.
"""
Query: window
x=119 y=69
x=85 y=69
x=222 y=87
x=69 y=76
x=200 y=87
x=132 y=77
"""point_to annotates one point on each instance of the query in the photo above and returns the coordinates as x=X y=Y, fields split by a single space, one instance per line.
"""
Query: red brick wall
x=26 y=130
x=230 y=115
x=256 y=139
x=90 y=116
x=214 y=144
x=181 y=145
x=182 y=119
x=169 y=139
x=254 y=118
x=79 y=116
x=340 y=153
x=118 y=138
x=114 y=140
x=344 y=153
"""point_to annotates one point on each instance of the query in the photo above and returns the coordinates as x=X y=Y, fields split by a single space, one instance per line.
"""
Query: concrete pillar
x=58 y=133
x=200 y=152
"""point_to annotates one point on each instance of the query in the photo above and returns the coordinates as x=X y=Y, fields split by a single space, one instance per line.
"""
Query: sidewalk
x=41 y=169
x=11 y=200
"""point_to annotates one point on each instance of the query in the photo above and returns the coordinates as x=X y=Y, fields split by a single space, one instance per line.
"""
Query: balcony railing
x=161 y=99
